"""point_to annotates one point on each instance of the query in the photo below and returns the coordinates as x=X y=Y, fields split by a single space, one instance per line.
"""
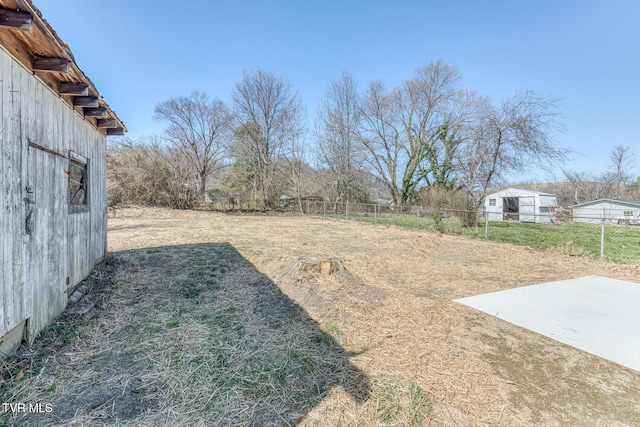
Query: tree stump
x=319 y=264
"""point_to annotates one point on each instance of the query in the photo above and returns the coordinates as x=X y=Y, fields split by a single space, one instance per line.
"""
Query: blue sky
x=585 y=52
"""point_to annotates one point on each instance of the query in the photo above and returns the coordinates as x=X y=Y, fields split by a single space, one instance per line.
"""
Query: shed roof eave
x=41 y=41
x=519 y=191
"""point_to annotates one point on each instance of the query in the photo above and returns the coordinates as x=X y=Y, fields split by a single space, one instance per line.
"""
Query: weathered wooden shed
x=514 y=204
x=53 y=128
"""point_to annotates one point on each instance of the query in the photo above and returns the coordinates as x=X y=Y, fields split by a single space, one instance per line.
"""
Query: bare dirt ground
x=206 y=319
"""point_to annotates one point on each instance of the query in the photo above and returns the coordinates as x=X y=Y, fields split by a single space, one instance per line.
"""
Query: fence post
x=602 y=240
x=486 y=225
x=375 y=214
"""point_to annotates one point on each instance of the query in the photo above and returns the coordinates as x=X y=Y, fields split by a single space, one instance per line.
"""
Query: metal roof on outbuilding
x=518 y=192
x=610 y=201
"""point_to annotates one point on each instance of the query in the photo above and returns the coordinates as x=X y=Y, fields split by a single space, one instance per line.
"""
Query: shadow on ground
x=185 y=335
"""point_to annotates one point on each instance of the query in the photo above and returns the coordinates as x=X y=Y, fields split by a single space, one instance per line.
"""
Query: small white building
x=611 y=211
x=514 y=204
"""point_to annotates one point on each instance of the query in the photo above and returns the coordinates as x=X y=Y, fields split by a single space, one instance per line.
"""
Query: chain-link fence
x=614 y=239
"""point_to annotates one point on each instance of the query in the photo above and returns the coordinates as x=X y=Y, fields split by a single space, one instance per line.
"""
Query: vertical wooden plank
x=26 y=124
x=101 y=202
x=44 y=123
x=75 y=269
x=61 y=207
x=34 y=248
x=49 y=300
x=15 y=200
x=28 y=120
x=71 y=217
x=99 y=206
x=5 y=213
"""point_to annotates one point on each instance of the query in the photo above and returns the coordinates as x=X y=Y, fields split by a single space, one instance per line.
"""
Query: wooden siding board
x=5 y=212
x=11 y=258
x=15 y=312
x=22 y=92
x=11 y=167
x=34 y=248
x=21 y=286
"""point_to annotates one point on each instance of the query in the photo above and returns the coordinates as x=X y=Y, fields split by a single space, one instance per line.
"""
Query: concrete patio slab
x=595 y=314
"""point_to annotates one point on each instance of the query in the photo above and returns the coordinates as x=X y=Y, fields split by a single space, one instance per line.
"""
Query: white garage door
x=527 y=209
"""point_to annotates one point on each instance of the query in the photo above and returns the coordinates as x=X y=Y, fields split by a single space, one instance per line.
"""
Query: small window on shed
x=492 y=202
x=78 y=189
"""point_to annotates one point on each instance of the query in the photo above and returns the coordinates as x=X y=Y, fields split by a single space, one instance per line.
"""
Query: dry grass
x=207 y=319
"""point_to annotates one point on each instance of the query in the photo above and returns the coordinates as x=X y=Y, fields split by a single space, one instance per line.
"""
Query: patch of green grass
x=420 y=404
x=399 y=403
x=172 y=324
x=621 y=243
x=332 y=330
x=387 y=399
x=189 y=289
x=301 y=361
x=437 y=223
x=199 y=280
x=260 y=378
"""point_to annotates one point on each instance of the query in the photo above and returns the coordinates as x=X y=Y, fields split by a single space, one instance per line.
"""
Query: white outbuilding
x=514 y=204
x=607 y=210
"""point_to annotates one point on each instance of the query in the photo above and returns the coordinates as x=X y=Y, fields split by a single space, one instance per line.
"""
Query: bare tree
x=299 y=174
x=380 y=135
x=337 y=123
x=270 y=115
x=199 y=131
x=514 y=136
x=401 y=129
x=146 y=172
x=611 y=184
x=427 y=106
x=622 y=160
x=588 y=186
x=442 y=166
